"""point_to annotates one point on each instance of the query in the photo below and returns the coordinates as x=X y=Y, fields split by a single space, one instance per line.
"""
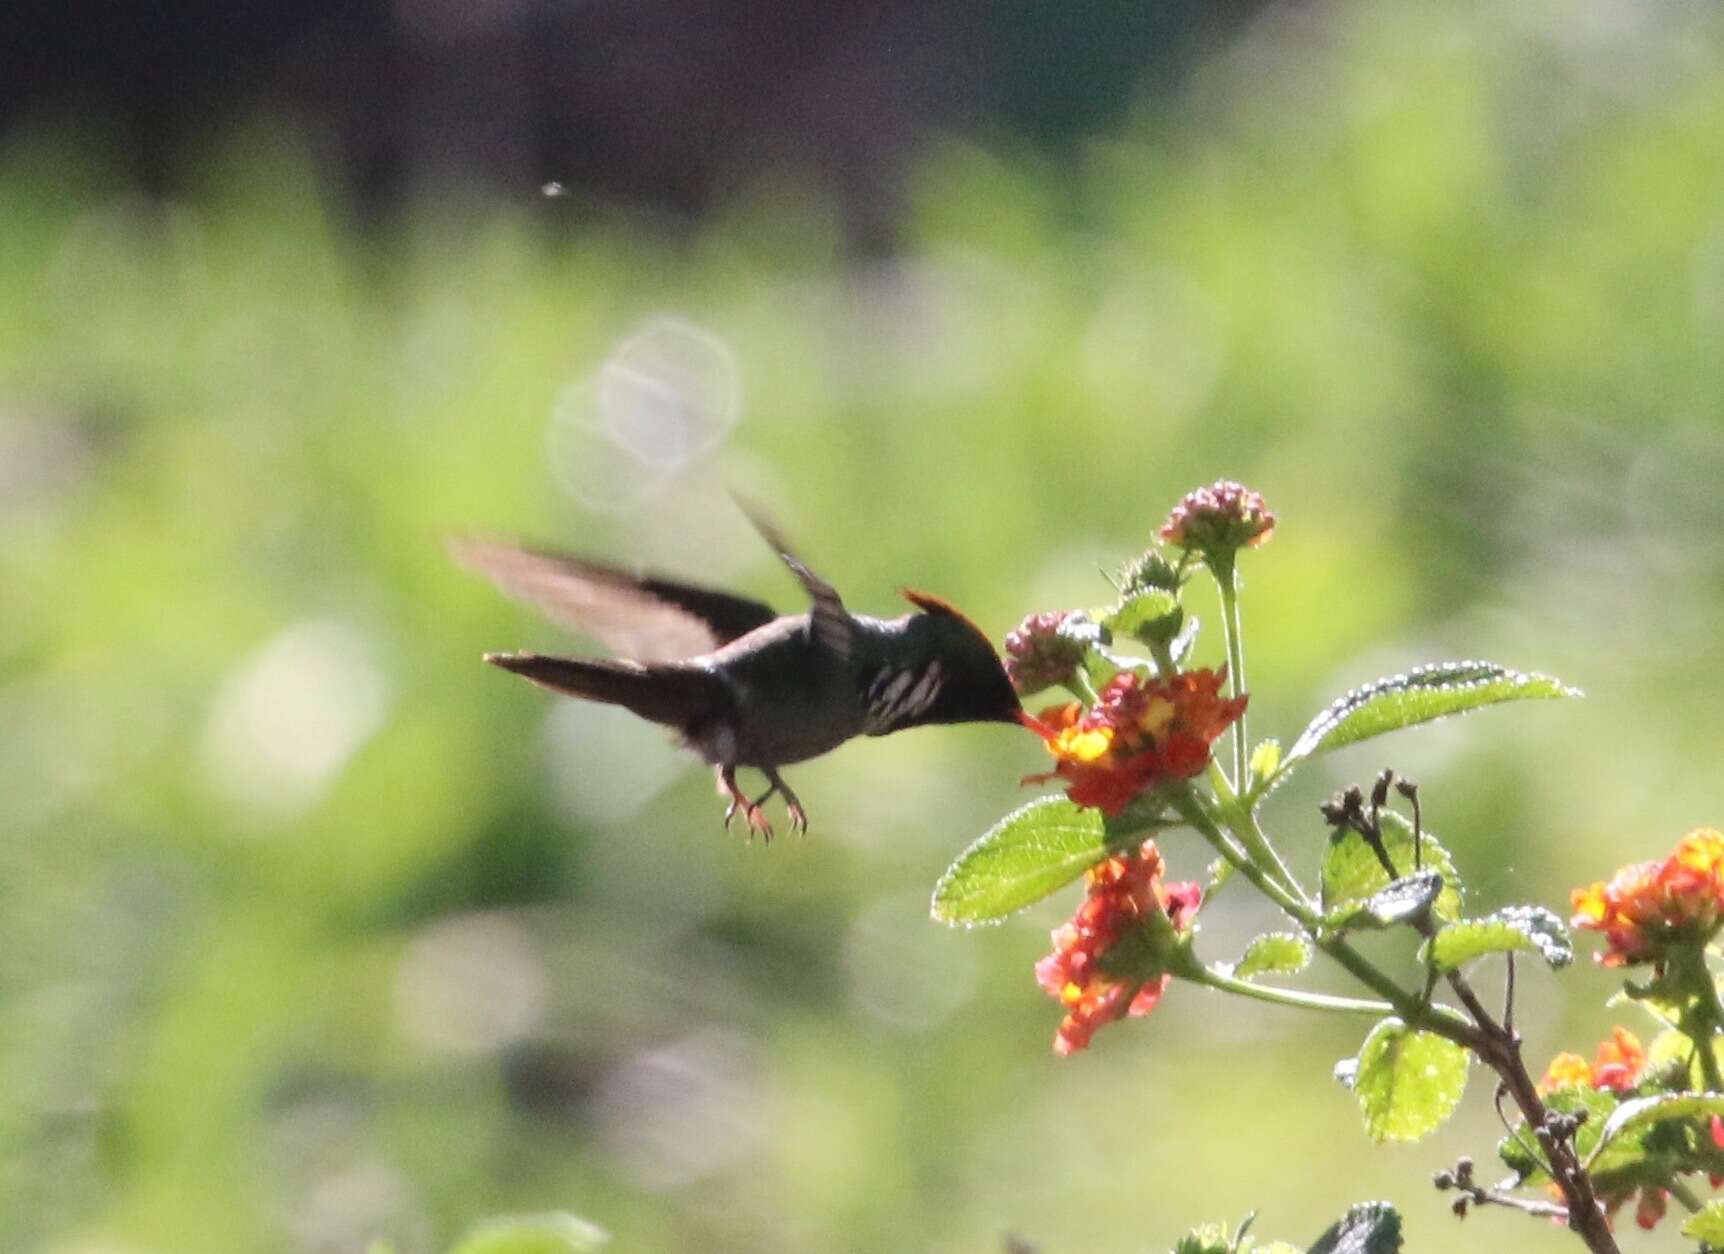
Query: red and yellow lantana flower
x=1125 y=896
x=1139 y=732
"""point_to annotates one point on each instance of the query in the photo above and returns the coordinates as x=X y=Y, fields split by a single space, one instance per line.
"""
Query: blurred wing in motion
x=635 y=616
x=832 y=623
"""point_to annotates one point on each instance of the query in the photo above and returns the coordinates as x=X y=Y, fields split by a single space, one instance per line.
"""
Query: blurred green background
x=314 y=929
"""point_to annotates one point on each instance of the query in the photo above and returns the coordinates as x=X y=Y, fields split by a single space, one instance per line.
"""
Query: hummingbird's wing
x=833 y=626
x=640 y=617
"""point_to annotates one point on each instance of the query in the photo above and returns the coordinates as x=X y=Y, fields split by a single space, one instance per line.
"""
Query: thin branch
x=1508 y=995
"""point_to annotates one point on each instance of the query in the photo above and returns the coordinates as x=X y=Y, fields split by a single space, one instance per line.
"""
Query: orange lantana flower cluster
x=1124 y=894
x=1616 y=1066
x=1619 y=1065
x=1647 y=908
x=1139 y=732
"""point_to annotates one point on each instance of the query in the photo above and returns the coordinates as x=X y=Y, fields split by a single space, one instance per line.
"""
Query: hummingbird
x=742 y=685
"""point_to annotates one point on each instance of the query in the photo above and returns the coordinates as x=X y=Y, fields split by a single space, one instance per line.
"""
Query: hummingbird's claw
x=754 y=811
x=757 y=822
x=727 y=788
x=792 y=803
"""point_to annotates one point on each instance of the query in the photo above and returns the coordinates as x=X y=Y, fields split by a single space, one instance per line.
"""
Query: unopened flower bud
x=1046 y=649
x=1380 y=790
x=1150 y=570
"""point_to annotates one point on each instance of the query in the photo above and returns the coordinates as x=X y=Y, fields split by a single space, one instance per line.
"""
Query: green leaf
x=1205 y=1239
x=1369 y=1228
x=1642 y=1112
x=1265 y=760
x=1707 y=1224
x=1152 y=616
x=1352 y=874
x=534 y=1234
x=1033 y=851
x=1420 y=695
x=1275 y=953
x=1101 y=664
x=1517 y=927
x=1403 y=901
x=1407 y=1082
x=1208 y=1239
x=1220 y=1239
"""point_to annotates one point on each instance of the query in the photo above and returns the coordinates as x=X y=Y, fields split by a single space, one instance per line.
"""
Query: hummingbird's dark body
x=741 y=685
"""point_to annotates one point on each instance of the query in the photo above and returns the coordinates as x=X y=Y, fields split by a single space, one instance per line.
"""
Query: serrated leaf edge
x=1557 y=951
x=1356 y=698
x=951 y=872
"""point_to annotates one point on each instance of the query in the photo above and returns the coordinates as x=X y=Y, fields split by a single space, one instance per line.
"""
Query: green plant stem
x=1493 y=1044
x=1186 y=802
x=1250 y=834
x=1212 y=978
x=1704 y=1020
x=1411 y=1009
x=1683 y=1194
x=1081 y=688
x=1237 y=824
x=1227 y=579
x=1164 y=663
x=1709 y=1064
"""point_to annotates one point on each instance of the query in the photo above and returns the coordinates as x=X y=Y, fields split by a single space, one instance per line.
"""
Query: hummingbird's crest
x=945 y=671
x=928 y=603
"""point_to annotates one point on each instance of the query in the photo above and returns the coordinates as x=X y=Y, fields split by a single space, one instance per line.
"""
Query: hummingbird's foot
x=792 y=803
x=727 y=788
x=740 y=804
x=758 y=822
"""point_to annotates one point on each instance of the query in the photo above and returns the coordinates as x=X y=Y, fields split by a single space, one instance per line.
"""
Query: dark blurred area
x=655 y=105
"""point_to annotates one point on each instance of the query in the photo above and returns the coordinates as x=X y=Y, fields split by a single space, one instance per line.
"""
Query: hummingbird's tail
x=676 y=696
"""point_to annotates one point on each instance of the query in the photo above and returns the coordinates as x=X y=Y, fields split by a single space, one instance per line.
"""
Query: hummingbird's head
x=972 y=687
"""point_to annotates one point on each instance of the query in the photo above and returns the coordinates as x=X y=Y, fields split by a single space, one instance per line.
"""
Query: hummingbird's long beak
x=1036 y=725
